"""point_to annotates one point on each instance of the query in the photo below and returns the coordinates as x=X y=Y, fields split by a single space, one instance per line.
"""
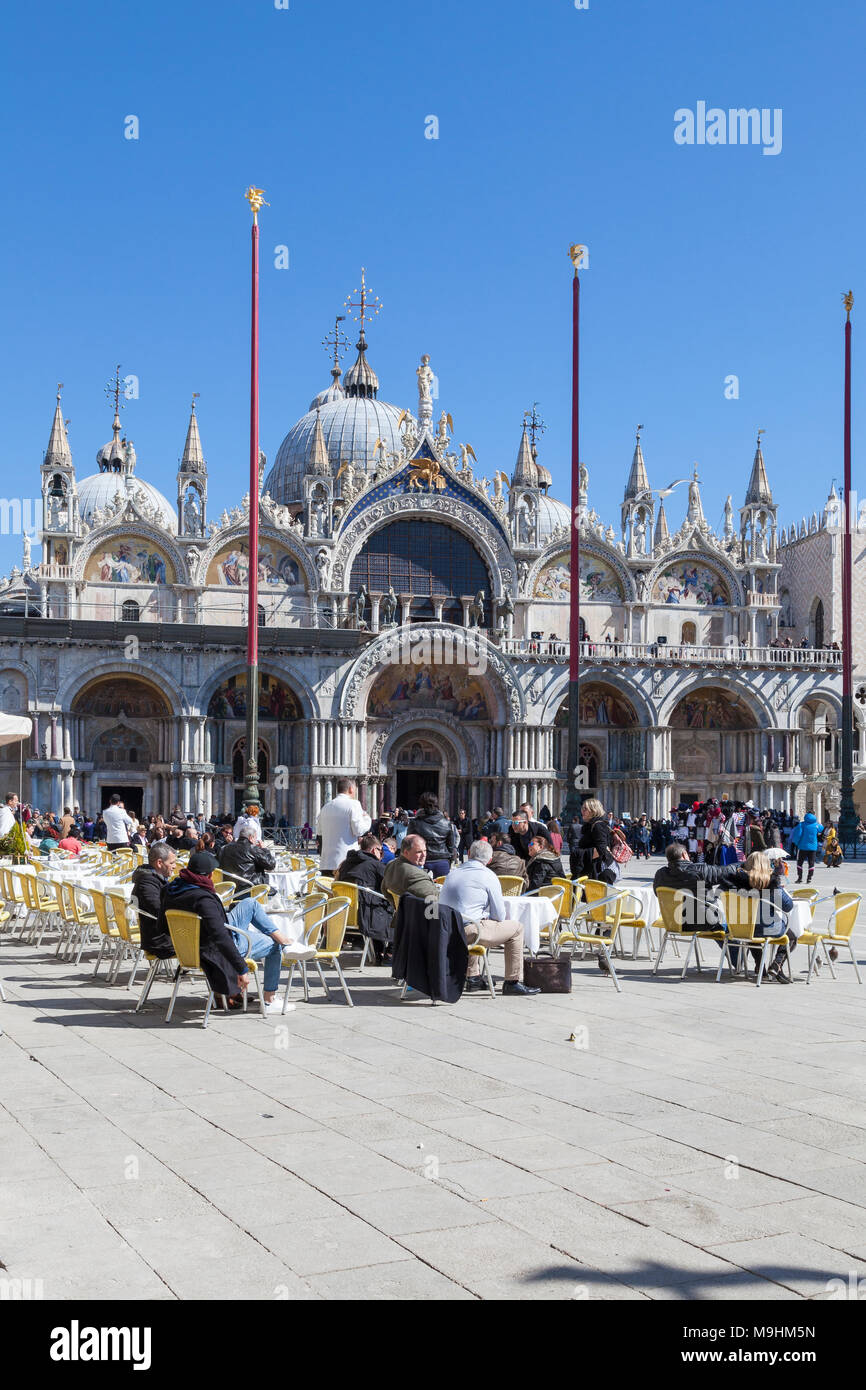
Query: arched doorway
x=125 y=733
x=715 y=746
x=418 y=767
x=279 y=714
x=613 y=750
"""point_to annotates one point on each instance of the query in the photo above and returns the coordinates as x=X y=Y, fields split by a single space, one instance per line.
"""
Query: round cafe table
x=533 y=914
x=288 y=882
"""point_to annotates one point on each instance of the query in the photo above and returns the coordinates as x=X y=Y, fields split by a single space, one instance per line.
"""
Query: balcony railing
x=665 y=653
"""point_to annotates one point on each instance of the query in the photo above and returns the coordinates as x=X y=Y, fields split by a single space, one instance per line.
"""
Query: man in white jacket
x=340 y=823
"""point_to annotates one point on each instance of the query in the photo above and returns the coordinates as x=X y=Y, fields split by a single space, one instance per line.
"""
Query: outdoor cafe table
x=288 y=882
x=533 y=914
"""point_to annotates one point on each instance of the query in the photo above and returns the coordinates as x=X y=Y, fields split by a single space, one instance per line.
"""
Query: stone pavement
x=700 y=1141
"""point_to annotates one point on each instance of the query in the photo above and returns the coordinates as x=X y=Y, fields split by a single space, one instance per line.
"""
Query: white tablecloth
x=533 y=914
x=649 y=911
x=288 y=882
x=800 y=917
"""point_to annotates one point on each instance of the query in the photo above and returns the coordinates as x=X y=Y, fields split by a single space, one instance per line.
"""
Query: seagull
x=663 y=492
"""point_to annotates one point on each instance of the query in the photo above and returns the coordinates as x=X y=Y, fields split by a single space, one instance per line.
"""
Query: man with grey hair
x=245 y=861
x=406 y=873
x=473 y=890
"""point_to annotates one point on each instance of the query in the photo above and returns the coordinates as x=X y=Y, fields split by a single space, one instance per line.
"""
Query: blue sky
x=555 y=125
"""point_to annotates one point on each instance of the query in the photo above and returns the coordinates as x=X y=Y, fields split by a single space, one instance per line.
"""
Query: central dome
x=352 y=420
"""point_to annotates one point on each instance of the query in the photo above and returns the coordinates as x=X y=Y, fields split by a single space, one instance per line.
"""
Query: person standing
x=591 y=854
x=117 y=824
x=8 y=814
x=341 y=821
x=805 y=839
x=437 y=832
x=249 y=817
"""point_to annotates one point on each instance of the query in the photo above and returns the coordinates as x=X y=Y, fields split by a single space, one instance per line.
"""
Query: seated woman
x=760 y=875
x=832 y=849
x=364 y=866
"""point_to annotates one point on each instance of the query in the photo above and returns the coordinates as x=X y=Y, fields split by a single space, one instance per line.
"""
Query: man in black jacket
x=363 y=866
x=521 y=835
x=437 y=832
x=148 y=886
x=245 y=862
x=679 y=872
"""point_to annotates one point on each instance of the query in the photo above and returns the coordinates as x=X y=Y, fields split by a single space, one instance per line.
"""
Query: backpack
x=619 y=845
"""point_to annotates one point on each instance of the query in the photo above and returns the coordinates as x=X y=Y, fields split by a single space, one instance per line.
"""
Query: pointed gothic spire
x=58 y=452
x=319 y=461
x=759 y=485
x=193 y=457
x=662 y=533
x=638 y=481
x=525 y=470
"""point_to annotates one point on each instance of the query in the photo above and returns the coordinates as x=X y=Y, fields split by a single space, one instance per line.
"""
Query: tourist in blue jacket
x=805 y=841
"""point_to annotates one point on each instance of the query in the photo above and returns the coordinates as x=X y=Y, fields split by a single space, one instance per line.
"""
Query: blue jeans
x=251 y=916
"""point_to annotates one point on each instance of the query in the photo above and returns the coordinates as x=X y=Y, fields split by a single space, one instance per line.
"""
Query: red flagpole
x=574 y=799
x=255 y=197
x=847 y=813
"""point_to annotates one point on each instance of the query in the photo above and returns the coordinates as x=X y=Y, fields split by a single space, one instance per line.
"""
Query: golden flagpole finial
x=256 y=199
x=576 y=253
x=848 y=301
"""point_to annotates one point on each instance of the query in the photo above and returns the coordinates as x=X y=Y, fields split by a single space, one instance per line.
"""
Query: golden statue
x=848 y=301
x=577 y=253
x=256 y=199
x=426 y=471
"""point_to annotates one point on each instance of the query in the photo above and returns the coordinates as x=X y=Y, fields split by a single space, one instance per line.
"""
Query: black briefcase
x=548 y=975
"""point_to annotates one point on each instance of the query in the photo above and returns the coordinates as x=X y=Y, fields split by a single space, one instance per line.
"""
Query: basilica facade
x=414 y=620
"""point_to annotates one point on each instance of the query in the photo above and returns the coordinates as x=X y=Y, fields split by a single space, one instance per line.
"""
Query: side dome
x=551 y=516
x=98 y=492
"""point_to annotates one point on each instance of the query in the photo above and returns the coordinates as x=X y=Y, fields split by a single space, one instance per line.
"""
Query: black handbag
x=550 y=976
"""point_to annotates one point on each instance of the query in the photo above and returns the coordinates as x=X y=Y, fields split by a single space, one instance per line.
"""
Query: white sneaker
x=276 y=1006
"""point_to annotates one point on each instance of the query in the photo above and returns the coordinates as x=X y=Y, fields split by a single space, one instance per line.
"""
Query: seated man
x=473 y=891
x=543 y=866
x=245 y=862
x=521 y=834
x=504 y=860
x=148 y=885
x=364 y=867
x=406 y=873
x=679 y=872
x=220 y=951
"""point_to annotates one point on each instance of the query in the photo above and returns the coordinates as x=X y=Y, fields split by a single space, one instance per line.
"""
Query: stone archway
x=715 y=745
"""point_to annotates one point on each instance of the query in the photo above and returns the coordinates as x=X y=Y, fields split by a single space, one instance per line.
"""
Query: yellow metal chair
x=225 y=892
x=677 y=906
x=111 y=938
x=596 y=926
x=331 y=914
x=395 y=898
x=742 y=913
x=556 y=893
x=511 y=885
x=84 y=918
x=351 y=892
x=632 y=917
x=125 y=920
x=41 y=901
x=217 y=876
x=841 y=924
x=185 y=931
